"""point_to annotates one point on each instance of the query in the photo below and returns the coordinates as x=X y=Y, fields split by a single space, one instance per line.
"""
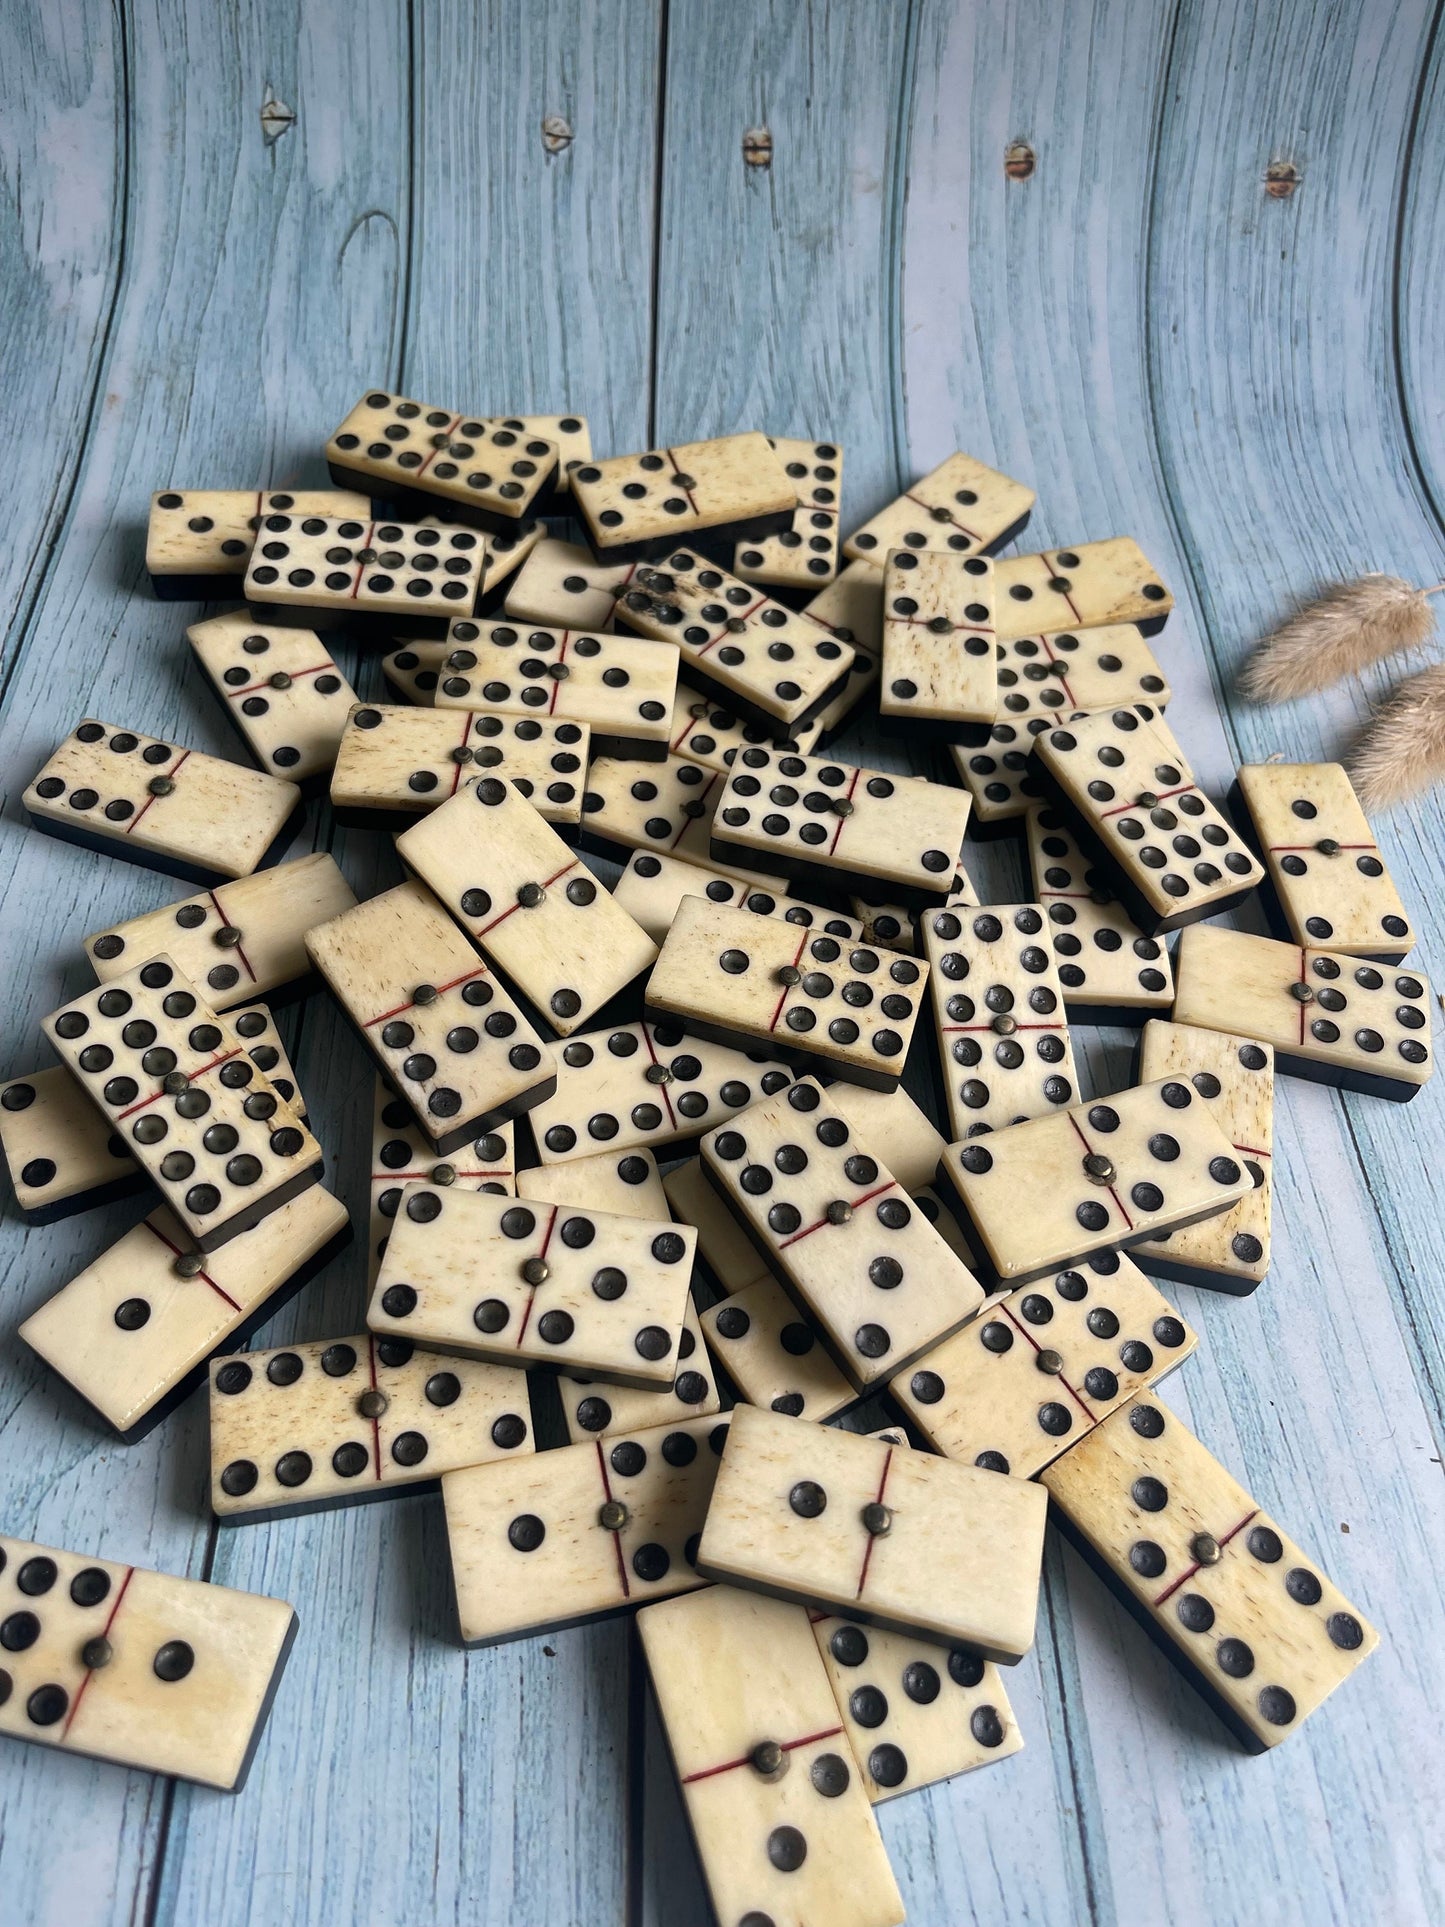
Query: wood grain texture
x=1249 y=386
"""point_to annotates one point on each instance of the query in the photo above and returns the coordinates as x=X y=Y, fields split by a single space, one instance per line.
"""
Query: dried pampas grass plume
x=1403 y=750
x=1343 y=631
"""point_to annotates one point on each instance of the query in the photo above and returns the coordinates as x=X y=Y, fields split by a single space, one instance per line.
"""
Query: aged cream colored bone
x=913 y=1715
x=158 y=804
x=496 y=467
x=840 y=1232
x=172 y=1076
x=138 y=1668
x=665 y=808
x=535 y=1284
x=1217 y=1582
x=1051 y=675
x=747 y=980
x=439 y=1024
x=998 y=1011
x=238 y=941
x=706 y=732
x=1041 y=1367
x=212 y=531
x=1086 y=587
x=61 y=1153
x=140 y=1321
x=814 y=819
x=345 y=1419
x=1106 y=963
x=367 y=566
x=1333 y=1018
x=893 y=1537
x=1329 y=879
x=400 y=1155
x=528 y=901
x=776 y=1803
x=773 y=1355
x=961 y=506
x=666 y=495
x=805 y=555
x=1109 y=1173
x=399 y=762
x=561 y=1536
x=1235 y=1076
x=281 y=689
x=940 y=661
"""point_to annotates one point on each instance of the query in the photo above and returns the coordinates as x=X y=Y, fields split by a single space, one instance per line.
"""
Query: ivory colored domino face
x=913 y=1715
x=838 y=1230
x=893 y=1537
x=153 y=803
x=704 y=732
x=1000 y=776
x=666 y=809
x=400 y=1155
x=641 y=504
x=135 y=1667
x=729 y=1255
x=1112 y=1172
x=565 y=586
x=413 y=670
x=946 y=1224
x=133 y=1331
x=239 y=941
x=596 y=1408
x=396 y=764
x=439 y=1024
x=646 y=1084
x=892 y=925
x=593 y=1528
x=543 y=1284
x=281 y=690
x=494 y=468
x=622 y=690
x=892 y=1118
x=367 y=567
x=776 y=1802
x=1087 y=587
x=346 y=1419
x=1230 y=1597
x=61 y=1153
x=852 y=606
x=1331 y=1018
x=805 y=555
x=939 y=657
x=1329 y=879
x=1109 y=970
x=256 y=1028
x=1043 y=1366
x=211 y=532
x=775 y=666
x=1049 y=675
x=528 y=901
x=627 y=1184
x=831 y=823
x=741 y=979
x=172 y=1077
x=960 y=506
x=652 y=888
x=1125 y=778
x=998 y=1010
x=1235 y=1076
x=773 y=1355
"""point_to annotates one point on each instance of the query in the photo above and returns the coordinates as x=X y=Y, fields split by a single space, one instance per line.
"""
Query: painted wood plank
x=503 y=1774
x=65 y=165
x=210 y=376
x=1285 y=460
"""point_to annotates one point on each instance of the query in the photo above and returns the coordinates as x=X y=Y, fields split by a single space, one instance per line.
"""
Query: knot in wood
x=556 y=133
x=1019 y=160
x=1281 y=178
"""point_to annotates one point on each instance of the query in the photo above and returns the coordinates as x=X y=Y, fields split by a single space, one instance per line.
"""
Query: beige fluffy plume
x=1343 y=631
x=1403 y=750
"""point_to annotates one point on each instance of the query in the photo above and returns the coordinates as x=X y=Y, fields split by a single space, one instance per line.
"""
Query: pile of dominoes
x=787 y=927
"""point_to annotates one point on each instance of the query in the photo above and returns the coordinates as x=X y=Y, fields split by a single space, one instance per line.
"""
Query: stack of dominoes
x=622 y=1370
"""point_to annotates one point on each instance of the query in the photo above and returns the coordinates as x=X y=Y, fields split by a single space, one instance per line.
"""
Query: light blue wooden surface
x=1251 y=386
